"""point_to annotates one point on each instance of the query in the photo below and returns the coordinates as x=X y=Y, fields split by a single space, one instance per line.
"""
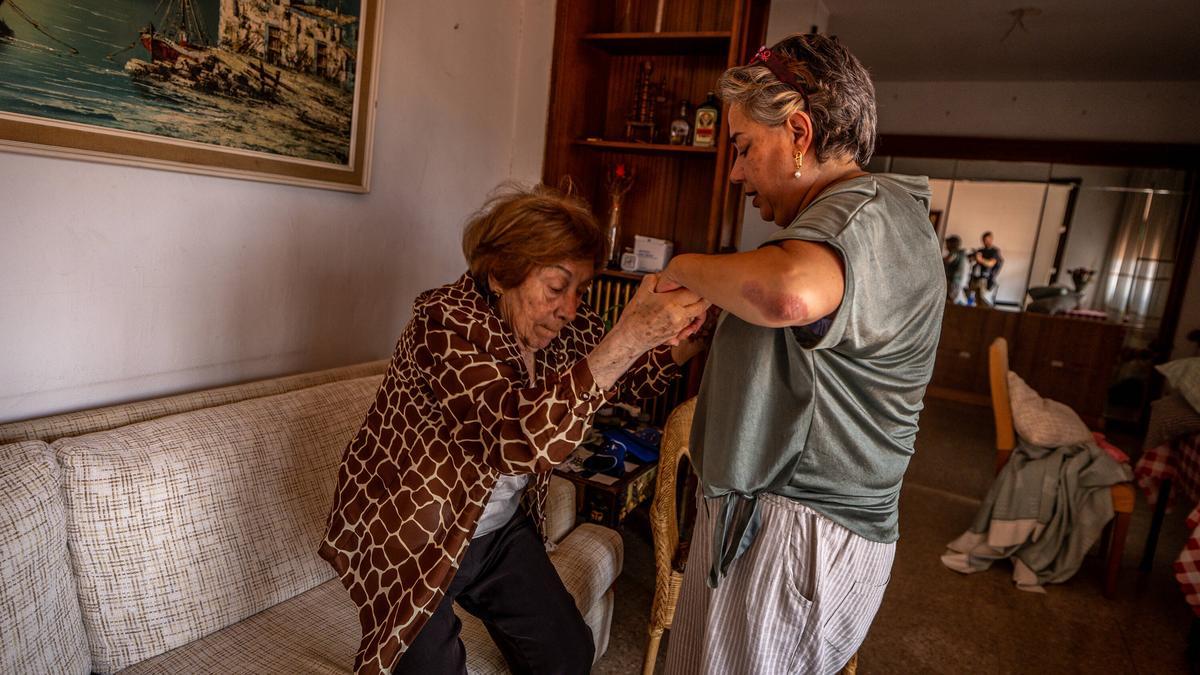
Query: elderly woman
x=808 y=409
x=492 y=384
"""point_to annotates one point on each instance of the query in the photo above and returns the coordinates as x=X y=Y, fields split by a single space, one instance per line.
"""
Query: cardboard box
x=652 y=254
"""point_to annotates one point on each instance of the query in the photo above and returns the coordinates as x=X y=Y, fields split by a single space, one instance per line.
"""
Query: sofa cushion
x=89 y=421
x=1184 y=376
x=317 y=632
x=41 y=630
x=183 y=525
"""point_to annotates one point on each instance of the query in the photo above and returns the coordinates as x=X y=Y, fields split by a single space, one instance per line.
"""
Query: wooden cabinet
x=961 y=369
x=1072 y=361
x=1065 y=359
x=680 y=193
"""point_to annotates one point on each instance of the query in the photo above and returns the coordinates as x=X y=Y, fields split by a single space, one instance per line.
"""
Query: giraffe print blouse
x=454 y=412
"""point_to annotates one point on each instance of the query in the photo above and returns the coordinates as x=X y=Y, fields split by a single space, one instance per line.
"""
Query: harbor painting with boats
x=270 y=76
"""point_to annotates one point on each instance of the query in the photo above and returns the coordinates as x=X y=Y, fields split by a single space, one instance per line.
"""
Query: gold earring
x=799 y=163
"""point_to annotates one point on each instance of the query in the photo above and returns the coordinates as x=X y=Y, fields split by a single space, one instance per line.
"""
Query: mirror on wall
x=1096 y=242
x=1120 y=224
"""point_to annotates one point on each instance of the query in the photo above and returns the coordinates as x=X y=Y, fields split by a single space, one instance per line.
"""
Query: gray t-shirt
x=826 y=414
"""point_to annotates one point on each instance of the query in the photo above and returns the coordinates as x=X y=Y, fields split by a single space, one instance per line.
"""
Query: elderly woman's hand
x=654 y=318
x=649 y=320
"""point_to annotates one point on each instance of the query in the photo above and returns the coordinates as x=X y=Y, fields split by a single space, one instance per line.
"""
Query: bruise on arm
x=776 y=305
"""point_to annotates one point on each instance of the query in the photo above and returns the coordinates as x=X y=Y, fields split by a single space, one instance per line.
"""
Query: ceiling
x=1081 y=40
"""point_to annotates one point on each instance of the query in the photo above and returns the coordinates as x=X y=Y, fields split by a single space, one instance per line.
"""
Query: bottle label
x=706 y=128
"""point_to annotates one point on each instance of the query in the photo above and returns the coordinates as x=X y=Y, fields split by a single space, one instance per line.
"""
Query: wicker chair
x=1006 y=441
x=669 y=557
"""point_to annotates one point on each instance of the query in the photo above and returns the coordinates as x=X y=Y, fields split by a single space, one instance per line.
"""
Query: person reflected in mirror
x=958 y=270
x=985 y=268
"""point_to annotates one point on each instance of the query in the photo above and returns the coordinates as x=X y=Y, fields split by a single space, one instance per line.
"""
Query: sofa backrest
x=40 y=626
x=182 y=525
x=54 y=427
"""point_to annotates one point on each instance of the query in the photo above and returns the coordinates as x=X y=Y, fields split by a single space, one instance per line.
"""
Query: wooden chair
x=1006 y=441
x=669 y=556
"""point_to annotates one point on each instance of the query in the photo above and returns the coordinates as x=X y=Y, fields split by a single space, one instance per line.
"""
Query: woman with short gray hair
x=808 y=409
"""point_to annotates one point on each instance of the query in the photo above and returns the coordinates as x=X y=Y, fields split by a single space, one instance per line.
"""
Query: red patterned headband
x=778 y=67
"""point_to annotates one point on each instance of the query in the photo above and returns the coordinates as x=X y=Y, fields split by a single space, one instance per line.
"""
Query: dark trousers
x=506 y=580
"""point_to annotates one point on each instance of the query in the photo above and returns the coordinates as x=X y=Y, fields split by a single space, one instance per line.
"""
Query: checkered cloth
x=1187 y=565
x=1180 y=462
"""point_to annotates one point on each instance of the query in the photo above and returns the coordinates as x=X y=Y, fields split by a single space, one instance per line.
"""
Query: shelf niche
x=681 y=193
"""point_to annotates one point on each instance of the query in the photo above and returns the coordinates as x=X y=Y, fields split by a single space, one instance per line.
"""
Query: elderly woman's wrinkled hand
x=656 y=318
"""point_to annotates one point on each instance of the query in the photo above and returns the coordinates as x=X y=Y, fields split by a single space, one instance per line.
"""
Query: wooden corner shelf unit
x=680 y=193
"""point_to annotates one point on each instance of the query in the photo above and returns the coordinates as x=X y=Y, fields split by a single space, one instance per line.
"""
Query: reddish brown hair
x=521 y=229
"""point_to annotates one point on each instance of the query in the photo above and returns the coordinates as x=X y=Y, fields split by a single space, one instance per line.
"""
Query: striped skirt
x=799 y=600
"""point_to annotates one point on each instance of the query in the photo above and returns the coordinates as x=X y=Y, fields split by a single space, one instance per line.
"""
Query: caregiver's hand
x=649 y=320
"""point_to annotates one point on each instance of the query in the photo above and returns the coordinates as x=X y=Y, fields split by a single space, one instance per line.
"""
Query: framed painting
x=272 y=90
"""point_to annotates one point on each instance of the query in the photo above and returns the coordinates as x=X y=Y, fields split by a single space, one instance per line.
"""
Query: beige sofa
x=179 y=536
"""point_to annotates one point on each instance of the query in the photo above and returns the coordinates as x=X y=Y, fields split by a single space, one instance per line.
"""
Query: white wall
x=1159 y=112
x=795 y=16
x=119 y=283
x=786 y=17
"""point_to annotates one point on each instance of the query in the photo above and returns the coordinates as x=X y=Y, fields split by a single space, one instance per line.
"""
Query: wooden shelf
x=660 y=43
x=653 y=148
x=682 y=193
x=622 y=274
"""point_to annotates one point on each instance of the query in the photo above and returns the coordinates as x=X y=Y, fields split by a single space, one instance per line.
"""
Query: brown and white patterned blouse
x=454 y=412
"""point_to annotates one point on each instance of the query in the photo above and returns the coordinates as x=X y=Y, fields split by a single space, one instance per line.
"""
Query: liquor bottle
x=681 y=128
x=707 y=120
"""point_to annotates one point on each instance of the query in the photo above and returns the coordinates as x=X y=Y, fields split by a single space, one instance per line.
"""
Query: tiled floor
x=937 y=621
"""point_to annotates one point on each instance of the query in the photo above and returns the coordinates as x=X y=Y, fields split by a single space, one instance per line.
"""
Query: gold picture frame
x=285 y=93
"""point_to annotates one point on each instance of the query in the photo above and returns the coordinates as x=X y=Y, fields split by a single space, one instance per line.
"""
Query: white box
x=652 y=254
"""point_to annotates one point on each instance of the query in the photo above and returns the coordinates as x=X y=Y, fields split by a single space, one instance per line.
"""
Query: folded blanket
x=1046 y=508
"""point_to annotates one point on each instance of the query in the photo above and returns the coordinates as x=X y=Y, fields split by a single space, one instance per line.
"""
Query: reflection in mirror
x=1116 y=223
x=1024 y=220
x=1091 y=242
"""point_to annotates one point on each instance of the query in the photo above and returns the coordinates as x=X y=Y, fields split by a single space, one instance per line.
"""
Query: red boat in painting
x=183 y=34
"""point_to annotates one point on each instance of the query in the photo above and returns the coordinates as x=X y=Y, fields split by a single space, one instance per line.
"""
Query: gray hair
x=838 y=95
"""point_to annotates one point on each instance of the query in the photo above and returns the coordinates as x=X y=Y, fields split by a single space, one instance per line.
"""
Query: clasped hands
x=669 y=313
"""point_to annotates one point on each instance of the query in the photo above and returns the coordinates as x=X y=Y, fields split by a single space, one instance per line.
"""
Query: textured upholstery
x=40 y=626
x=183 y=525
x=588 y=561
x=52 y=428
x=1041 y=421
x=193 y=537
x=560 y=509
x=317 y=631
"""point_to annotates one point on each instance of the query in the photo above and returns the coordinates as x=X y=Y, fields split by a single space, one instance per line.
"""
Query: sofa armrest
x=588 y=561
x=560 y=509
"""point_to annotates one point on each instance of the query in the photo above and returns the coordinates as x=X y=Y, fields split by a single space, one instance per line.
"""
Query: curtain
x=1141 y=260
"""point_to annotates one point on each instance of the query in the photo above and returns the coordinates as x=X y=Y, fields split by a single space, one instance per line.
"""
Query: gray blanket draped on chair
x=1046 y=508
